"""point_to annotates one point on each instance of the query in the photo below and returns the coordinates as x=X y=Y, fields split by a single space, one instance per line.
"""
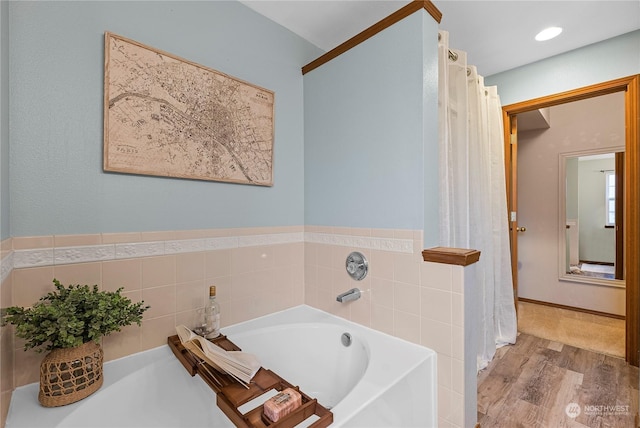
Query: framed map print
x=166 y=116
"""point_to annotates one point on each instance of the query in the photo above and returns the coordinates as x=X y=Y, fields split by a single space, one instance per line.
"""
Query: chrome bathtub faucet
x=348 y=296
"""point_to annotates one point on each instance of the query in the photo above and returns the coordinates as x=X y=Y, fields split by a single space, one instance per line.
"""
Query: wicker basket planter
x=68 y=322
x=68 y=375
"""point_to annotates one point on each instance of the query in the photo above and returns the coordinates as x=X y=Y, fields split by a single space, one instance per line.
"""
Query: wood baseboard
x=572 y=308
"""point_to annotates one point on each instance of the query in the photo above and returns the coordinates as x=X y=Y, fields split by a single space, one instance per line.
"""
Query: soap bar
x=281 y=404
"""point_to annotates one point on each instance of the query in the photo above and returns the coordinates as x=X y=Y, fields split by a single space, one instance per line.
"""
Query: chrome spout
x=348 y=296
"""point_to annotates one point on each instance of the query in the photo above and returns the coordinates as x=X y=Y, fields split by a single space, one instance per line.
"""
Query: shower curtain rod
x=452 y=55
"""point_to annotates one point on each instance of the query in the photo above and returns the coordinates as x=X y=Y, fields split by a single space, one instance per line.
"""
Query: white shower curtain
x=473 y=206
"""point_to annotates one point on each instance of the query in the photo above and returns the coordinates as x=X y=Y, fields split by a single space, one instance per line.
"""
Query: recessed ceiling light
x=548 y=33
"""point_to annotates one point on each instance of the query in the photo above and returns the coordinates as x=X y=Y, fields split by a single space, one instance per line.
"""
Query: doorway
x=630 y=88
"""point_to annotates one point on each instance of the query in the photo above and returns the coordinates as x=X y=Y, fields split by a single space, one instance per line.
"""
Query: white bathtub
x=377 y=381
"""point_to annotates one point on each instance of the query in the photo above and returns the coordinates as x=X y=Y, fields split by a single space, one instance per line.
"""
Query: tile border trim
x=52 y=256
x=367 y=242
x=6 y=266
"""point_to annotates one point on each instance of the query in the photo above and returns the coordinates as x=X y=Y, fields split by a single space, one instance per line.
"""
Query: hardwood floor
x=542 y=383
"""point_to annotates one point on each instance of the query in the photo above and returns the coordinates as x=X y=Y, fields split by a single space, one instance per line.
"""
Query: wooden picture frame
x=167 y=116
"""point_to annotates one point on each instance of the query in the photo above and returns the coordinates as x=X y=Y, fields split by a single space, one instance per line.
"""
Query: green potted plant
x=70 y=322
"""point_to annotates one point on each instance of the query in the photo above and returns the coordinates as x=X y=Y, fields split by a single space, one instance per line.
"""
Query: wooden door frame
x=511 y=175
x=619 y=220
x=631 y=88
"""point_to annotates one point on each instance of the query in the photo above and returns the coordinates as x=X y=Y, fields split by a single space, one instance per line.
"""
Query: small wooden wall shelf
x=231 y=394
x=451 y=256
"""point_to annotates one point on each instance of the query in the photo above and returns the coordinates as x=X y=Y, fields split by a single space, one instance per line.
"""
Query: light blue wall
x=56 y=66
x=370 y=123
x=430 y=133
x=600 y=62
x=5 y=231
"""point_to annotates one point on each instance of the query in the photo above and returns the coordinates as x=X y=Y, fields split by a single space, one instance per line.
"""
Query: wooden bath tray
x=231 y=394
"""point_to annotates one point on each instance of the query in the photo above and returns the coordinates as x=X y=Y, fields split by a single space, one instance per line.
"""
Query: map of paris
x=167 y=116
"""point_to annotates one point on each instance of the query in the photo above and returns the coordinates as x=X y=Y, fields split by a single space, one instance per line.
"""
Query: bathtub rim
x=341 y=416
x=347 y=409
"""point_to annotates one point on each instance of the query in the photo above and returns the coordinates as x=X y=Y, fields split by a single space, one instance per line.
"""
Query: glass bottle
x=212 y=315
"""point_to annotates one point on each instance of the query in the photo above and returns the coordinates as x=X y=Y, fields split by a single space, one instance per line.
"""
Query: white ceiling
x=497 y=35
